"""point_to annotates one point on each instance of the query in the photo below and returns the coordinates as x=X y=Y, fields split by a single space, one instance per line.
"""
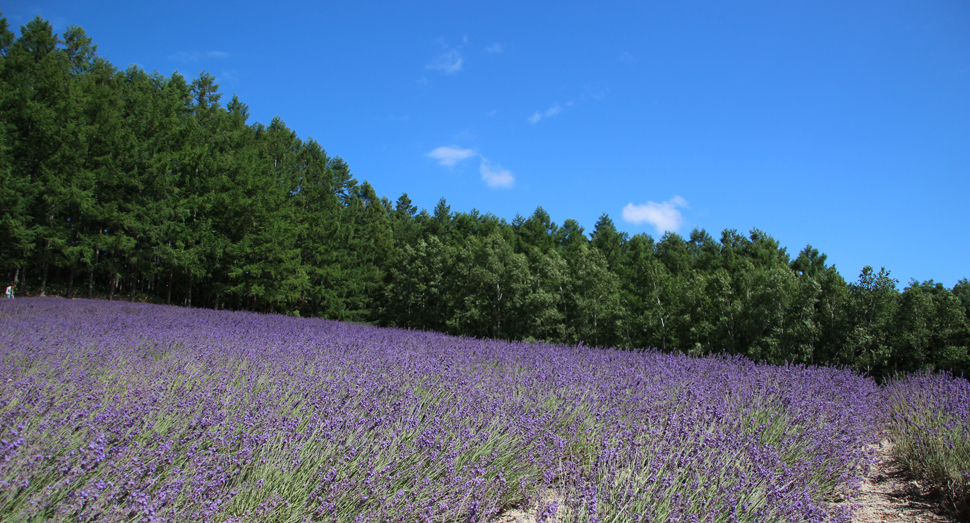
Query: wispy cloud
x=595 y=91
x=450 y=155
x=59 y=23
x=627 y=58
x=495 y=175
x=229 y=76
x=183 y=56
x=195 y=56
x=590 y=92
x=495 y=48
x=492 y=174
x=552 y=111
x=663 y=216
x=448 y=61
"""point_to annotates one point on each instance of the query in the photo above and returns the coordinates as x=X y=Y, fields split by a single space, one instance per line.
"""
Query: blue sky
x=841 y=124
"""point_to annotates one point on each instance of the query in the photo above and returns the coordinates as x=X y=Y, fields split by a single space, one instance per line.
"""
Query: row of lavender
x=929 y=422
x=131 y=412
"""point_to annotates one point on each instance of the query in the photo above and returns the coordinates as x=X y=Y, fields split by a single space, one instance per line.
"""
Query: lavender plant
x=131 y=412
x=930 y=425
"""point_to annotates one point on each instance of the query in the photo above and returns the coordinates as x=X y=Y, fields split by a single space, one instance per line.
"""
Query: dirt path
x=889 y=497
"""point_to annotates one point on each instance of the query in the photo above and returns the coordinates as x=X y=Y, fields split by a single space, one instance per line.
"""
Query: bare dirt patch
x=889 y=495
x=533 y=514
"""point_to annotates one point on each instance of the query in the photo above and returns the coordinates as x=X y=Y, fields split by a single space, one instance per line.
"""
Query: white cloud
x=627 y=58
x=663 y=216
x=450 y=155
x=448 y=62
x=552 y=111
x=496 y=176
x=492 y=175
x=218 y=54
x=495 y=48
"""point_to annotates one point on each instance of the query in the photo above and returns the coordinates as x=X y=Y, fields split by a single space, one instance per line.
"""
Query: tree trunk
x=188 y=293
x=70 y=281
x=43 y=282
x=91 y=274
x=168 y=297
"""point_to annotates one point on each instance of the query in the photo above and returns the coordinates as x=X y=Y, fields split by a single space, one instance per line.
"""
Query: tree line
x=127 y=185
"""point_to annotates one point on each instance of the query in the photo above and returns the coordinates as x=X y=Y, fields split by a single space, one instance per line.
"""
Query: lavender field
x=115 y=411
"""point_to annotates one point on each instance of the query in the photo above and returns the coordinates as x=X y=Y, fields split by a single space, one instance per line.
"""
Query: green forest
x=121 y=184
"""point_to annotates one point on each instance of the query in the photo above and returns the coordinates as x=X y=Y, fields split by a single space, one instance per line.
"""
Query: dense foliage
x=116 y=411
x=121 y=183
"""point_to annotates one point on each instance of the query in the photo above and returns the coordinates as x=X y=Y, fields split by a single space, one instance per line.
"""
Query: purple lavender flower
x=116 y=411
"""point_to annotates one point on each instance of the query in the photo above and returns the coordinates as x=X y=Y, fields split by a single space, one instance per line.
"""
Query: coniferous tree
x=608 y=240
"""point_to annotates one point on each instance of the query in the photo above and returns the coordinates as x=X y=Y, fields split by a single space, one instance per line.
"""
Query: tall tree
x=608 y=240
x=38 y=108
x=595 y=298
x=417 y=292
x=495 y=285
x=872 y=307
x=18 y=188
x=537 y=231
x=649 y=296
x=931 y=329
